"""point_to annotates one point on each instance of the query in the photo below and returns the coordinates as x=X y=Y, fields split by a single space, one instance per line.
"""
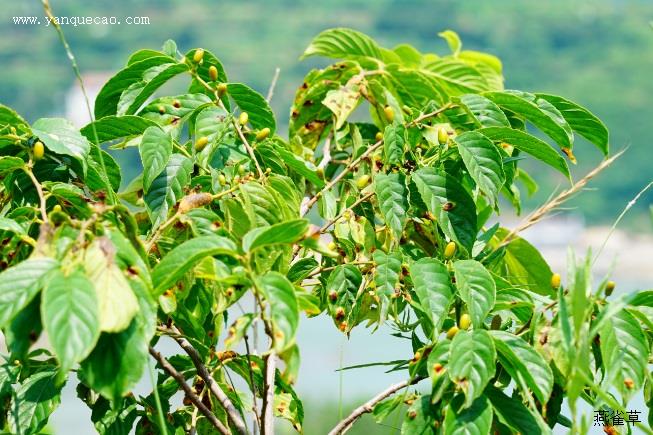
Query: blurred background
x=599 y=54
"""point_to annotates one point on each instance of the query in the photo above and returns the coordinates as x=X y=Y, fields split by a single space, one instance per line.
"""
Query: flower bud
x=213 y=73
x=609 y=287
x=199 y=55
x=450 y=250
x=263 y=134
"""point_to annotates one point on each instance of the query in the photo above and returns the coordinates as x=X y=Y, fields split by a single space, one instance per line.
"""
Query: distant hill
x=598 y=53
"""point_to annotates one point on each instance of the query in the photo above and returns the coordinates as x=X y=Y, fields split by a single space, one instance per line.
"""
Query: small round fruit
x=450 y=250
x=362 y=181
x=451 y=333
x=609 y=287
x=213 y=73
x=379 y=136
x=389 y=113
x=555 y=280
x=201 y=143
x=443 y=136
x=465 y=321
x=56 y=208
x=332 y=246
x=222 y=89
x=39 y=150
x=199 y=55
x=263 y=134
x=222 y=179
x=496 y=322
x=243 y=118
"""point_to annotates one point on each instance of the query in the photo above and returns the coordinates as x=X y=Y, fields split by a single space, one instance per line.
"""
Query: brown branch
x=202 y=371
x=189 y=392
x=538 y=214
x=268 y=394
x=367 y=407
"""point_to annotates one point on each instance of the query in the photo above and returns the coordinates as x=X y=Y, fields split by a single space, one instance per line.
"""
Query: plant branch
x=189 y=392
x=273 y=84
x=39 y=190
x=203 y=372
x=367 y=407
x=268 y=394
x=556 y=202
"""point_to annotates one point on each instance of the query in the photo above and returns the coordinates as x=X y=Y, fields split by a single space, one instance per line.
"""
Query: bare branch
x=189 y=392
x=268 y=394
x=203 y=372
x=273 y=84
x=368 y=406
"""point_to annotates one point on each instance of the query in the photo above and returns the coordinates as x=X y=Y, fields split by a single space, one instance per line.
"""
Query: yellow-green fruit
x=496 y=322
x=465 y=321
x=332 y=246
x=201 y=143
x=222 y=180
x=56 y=208
x=389 y=113
x=609 y=287
x=443 y=136
x=407 y=110
x=450 y=250
x=555 y=280
x=243 y=118
x=194 y=200
x=213 y=73
x=241 y=169
x=362 y=181
x=379 y=136
x=39 y=150
x=199 y=55
x=222 y=89
x=452 y=332
x=262 y=134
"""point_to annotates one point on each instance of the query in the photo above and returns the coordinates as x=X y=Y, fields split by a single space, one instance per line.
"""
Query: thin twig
x=189 y=392
x=360 y=200
x=273 y=84
x=39 y=190
x=367 y=407
x=556 y=202
x=268 y=394
x=257 y=420
x=202 y=371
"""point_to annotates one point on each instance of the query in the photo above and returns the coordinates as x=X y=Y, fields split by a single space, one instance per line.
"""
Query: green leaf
x=581 y=121
x=303 y=167
x=432 y=286
x=392 y=194
x=181 y=259
x=117 y=362
x=514 y=414
x=238 y=330
x=134 y=96
x=117 y=303
x=155 y=150
x=301 y=269
x=525 y=105
x=250 y=101
x=455 y=77
x=483 y=162
x=167 y=188
x=35 y=400
x=10 y=163
x=387 y=270
x=11 y=225
x=111 y=128
x=95 y=179
x=438 y=188
x=472 y=362
x=453 y=41
x=419 y=417
x=525 y=266
x=473 y=420
x=106 y=102
x=484 y=111
x=61 y=137
x=530 y=145
x=524 y=364
x=394 y=138
x=284 y=311
x=20 y=283
x=625 y=352
x=476 y=288
x=342 y=43
x=70 y=313
x=282 y=233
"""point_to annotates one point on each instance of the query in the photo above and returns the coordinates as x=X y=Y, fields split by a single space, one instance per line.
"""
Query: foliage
x=221 y=214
